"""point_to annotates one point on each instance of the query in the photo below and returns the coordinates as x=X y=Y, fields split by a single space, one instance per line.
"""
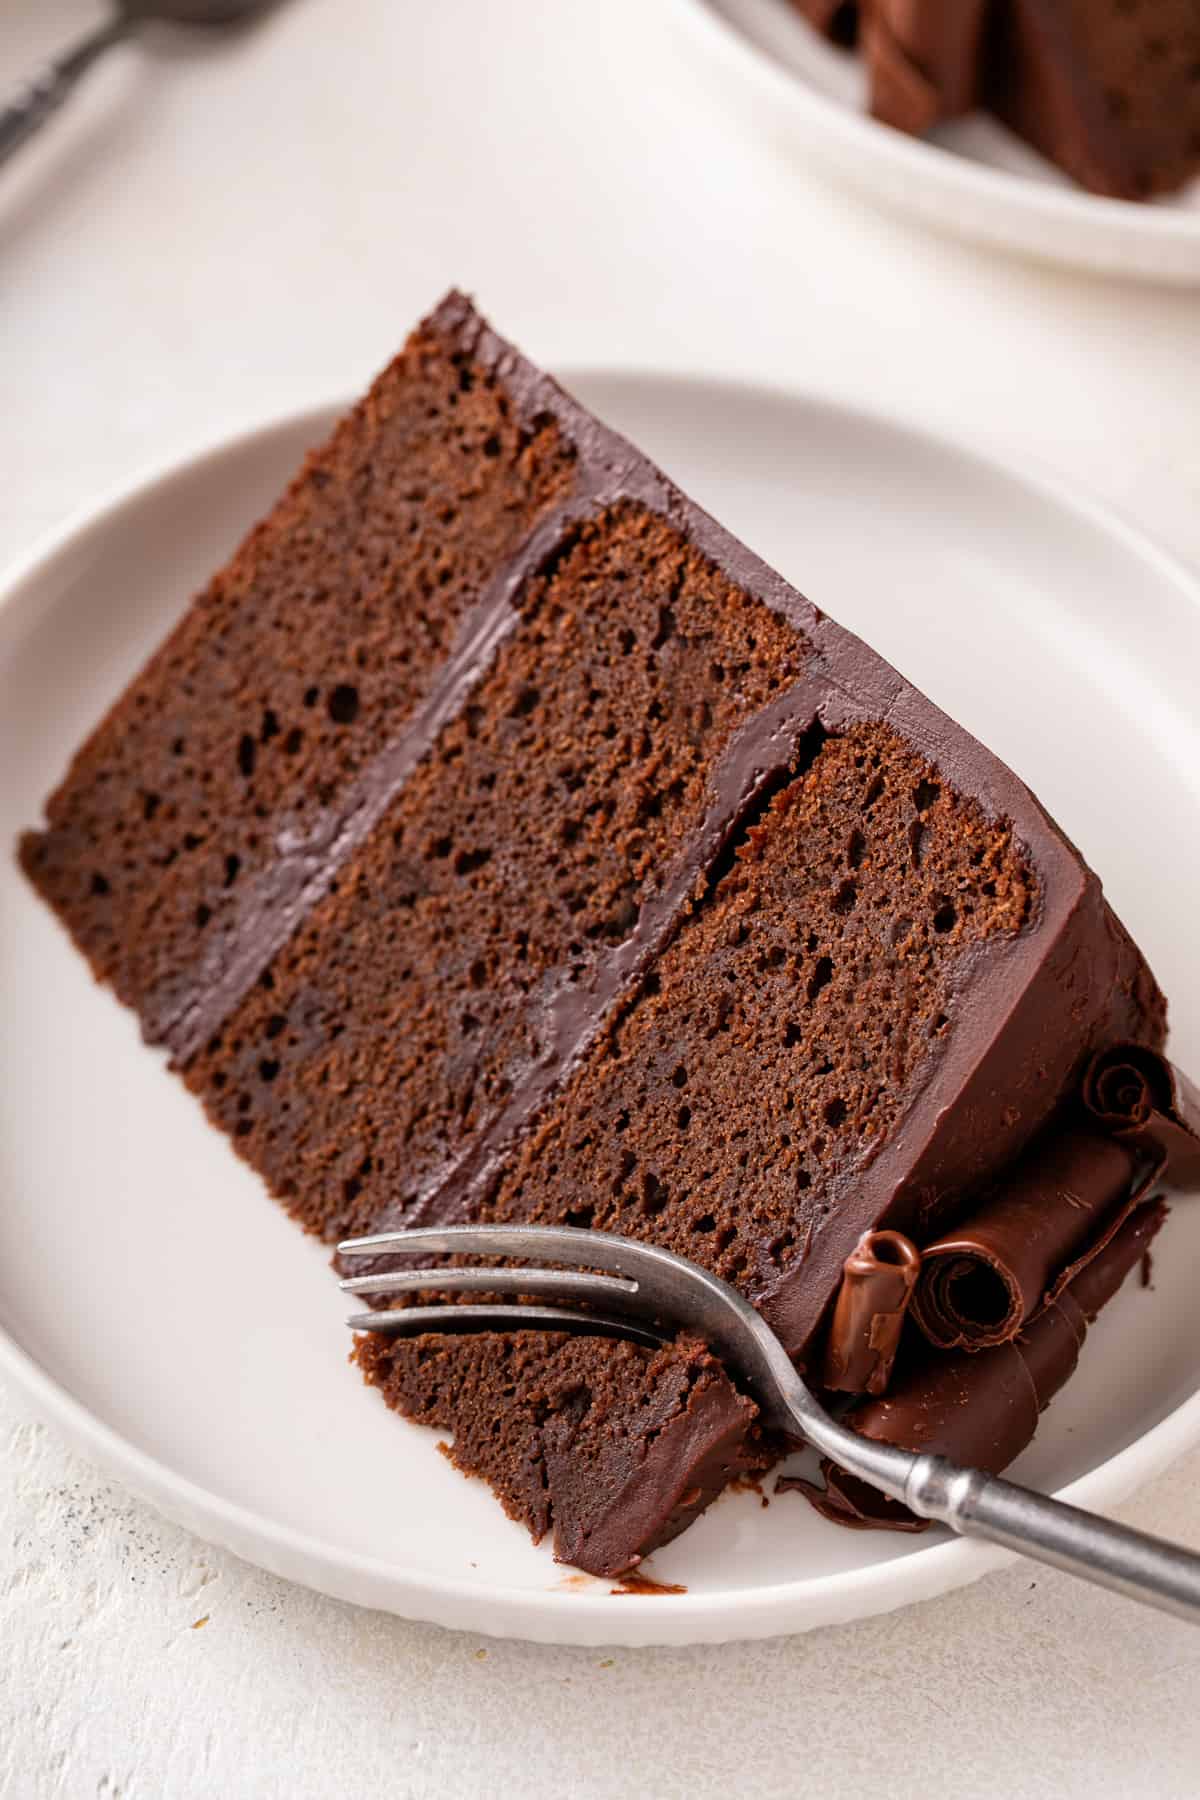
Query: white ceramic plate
x=181 y=1330
x=973 y=178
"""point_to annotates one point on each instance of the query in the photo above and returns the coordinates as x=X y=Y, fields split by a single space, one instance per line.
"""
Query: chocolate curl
x=878 y=1278
x=1144 y=1101
x=924 y=59
x=836 y=19
x=902 y=95
x=981 y=1410
x=983 y=1283
x=946 y=39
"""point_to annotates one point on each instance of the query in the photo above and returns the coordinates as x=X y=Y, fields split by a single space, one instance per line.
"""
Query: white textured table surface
x=216 y=233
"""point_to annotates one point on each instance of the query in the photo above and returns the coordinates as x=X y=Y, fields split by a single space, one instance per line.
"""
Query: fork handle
x=45 y=92
x=1110 y=1555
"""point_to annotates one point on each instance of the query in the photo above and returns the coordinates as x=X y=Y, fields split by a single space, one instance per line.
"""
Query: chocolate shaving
x=924 y=63
x=981 y=1410
x=1143 y=1100
x=986 y=1281
x=877 y=1284
x=902 y=95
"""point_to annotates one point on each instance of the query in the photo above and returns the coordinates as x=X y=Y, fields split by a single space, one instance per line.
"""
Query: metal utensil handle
x=45 y=93
x=1113 y=1556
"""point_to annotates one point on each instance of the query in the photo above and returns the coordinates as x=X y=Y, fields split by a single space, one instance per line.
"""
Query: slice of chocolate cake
x=497 y=838
x=1107 y=89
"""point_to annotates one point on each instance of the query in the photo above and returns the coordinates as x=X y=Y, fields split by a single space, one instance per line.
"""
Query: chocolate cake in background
x=497 y=838
x=1107 y=89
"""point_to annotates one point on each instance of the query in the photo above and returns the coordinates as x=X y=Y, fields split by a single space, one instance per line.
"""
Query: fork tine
x=480 y=1240
x=552 y=1243
x=411 y=1321
x=669 y=1290
x=550 y=1282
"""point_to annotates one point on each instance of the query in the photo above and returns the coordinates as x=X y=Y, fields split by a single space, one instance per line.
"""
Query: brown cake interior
x=571 y=1431
x=778 y=1038
x=779 y=1034
x=303 y=655
x=774 y=1043
x=524 y=846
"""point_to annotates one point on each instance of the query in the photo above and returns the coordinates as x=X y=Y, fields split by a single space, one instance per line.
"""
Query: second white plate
x=157 y=1306
x=973 y=178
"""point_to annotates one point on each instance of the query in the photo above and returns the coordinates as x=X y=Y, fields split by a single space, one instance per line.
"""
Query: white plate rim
x=544 y=1615
x=999 y=206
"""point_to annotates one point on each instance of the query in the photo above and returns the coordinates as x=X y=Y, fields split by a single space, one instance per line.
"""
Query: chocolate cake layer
x=199 y=820
x=618 y=886
x=522 y=851
x=754 y=1080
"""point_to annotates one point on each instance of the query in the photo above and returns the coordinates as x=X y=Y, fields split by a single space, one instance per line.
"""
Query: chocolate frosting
x=681 y=1472
x=981 y=1410
x=980 y=1284
x=1145 y=1102
x=877 y=1284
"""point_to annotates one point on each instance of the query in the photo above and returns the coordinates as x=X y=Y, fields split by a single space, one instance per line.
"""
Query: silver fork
x=645 y=1293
